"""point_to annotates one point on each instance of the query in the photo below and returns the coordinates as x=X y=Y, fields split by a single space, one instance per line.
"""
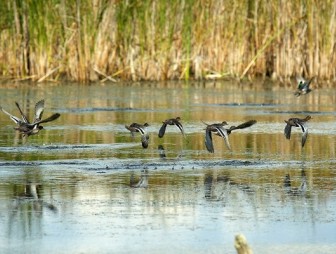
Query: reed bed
x=91 y=40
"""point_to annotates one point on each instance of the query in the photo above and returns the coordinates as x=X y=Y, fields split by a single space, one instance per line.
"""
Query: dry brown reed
x=90 y=40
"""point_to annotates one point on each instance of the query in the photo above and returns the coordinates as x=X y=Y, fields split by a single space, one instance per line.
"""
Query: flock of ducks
x=28 y=128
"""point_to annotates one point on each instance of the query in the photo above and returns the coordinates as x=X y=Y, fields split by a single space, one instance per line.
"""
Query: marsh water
x=84 y=185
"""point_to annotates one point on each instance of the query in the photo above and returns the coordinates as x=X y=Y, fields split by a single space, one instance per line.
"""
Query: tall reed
x=90 y=40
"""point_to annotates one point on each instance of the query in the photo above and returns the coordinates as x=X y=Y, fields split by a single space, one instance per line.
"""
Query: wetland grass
x=91 y=40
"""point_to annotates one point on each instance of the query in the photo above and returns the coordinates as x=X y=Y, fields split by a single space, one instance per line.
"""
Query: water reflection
x=142 y=182
x=162 y=152
x=108 y=187
x=219 y=188
x=26 y=210
x=301 y=190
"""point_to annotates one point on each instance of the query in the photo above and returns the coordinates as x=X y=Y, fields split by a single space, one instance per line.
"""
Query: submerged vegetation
x=90 y=40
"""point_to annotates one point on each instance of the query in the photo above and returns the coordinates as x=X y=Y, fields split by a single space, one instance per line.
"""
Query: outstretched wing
x=243 y=125
x=304 y=130
x=49 y=119
x=162 y=129
x=144 y=140
x=14 y=118
x=24 y=117
x=39 y=107
x=224 y=134
x=179 y=125
x=287 y=131
x=208 y=140
x=308 y=83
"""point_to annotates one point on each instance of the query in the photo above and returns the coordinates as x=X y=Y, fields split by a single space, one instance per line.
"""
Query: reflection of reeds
x=157 y=40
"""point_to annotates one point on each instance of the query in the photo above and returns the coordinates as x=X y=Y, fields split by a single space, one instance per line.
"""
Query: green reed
x=90 y=40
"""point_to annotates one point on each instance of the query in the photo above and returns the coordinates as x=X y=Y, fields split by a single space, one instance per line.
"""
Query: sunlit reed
x=158 y=40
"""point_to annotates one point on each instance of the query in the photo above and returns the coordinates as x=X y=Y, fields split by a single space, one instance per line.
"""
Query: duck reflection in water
x=301 y=190
x=30 y=194
x=142 y=182
x=221 y=185
x=163 y=155
x=27 y=210
x=162 y=152
x=208 y=188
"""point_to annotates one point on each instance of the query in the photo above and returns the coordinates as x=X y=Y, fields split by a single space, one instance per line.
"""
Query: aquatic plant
x=90 y=40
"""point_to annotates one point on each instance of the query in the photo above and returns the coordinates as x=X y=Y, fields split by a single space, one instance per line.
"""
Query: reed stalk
x=90 y=40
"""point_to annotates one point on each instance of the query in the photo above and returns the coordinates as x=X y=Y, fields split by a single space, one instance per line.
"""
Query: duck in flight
x=26 y=127
x=171 y=121
x=135 y=127
x=219 y=130
x=303 y=86
x=300 y=123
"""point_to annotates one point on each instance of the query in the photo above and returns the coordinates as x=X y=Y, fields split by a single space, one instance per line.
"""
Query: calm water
x=68 y=189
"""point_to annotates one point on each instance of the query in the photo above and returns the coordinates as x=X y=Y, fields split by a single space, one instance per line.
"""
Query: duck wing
x=49 y=119
x=24 y=117
x=39 y=107
x=179 y=125
x=288 y=130
x=15 y=119
x=304 y=130
x=208 y=140
x=144 y=140
x=243 y=125
x=162 y=129
x=144 y=136
x=307 y=83
x=225 y=135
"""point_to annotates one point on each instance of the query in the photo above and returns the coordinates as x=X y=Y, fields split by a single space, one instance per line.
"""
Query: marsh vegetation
x=90 y=40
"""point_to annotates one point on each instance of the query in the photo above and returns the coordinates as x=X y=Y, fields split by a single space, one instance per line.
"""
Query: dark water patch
x=114 y=164
x=101 y=109
x=235 y=104
x=64 y=147
x=304 y=112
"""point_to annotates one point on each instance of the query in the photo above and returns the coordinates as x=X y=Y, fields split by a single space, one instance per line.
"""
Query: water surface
x=73 y=187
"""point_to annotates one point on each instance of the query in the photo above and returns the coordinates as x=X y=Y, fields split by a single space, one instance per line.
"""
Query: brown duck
x=300 y=123
x=219 y=130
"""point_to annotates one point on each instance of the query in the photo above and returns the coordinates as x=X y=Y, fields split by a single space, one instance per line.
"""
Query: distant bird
x=135 y=127
x=303 y=86
x=26 y=127
x=297 y=122
x=219 y=130
x=172 y=121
